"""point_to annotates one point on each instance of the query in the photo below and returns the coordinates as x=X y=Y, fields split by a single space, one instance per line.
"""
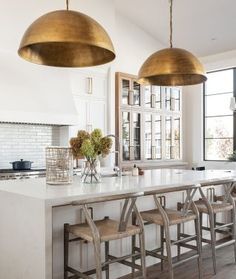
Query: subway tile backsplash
x=26 y=141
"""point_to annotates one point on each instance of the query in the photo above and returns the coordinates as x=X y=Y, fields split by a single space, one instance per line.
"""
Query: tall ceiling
x=204 y=27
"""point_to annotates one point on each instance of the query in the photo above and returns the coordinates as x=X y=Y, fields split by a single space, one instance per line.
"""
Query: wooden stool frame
x=128 y=207
x=160 y=202
x=216 y=227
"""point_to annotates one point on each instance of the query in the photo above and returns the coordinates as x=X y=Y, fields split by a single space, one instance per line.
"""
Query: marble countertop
x=162 y=180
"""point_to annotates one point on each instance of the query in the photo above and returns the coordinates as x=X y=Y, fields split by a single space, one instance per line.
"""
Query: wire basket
x=59 y=165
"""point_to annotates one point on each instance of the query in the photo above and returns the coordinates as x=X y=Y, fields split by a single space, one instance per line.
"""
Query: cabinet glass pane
x=136 y=97
x=157 y=136
x=176 y=148
x=125 y=91
x=147 y=96
x=152 y=97
x=126 y=135
x=136 y=135
x=168 y=137
x=156 y=90
x=148 y=136
x=175 y=99
x=167 y=98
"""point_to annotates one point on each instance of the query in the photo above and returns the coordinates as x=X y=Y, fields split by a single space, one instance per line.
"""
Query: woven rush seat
x=175 y=217
x=217 y=207
x=108 y=230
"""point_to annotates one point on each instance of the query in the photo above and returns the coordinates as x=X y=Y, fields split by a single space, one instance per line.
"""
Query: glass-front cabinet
x=130 y=91
x=131 y=136
x=152 y=136
x=148 y=121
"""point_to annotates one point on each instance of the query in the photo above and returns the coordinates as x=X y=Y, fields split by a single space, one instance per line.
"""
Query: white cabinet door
x=98 y=115
x=91 y=114
x=82 y=111
x=91 y=85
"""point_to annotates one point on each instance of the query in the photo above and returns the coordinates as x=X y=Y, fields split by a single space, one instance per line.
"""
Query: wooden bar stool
x=103 y=231
x=208 y=206
x=166 y=218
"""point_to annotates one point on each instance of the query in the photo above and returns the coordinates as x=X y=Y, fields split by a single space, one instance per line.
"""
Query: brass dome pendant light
x=172 y=66
x=66 y=38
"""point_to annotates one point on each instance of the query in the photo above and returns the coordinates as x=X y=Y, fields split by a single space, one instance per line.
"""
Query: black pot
x=21 y=165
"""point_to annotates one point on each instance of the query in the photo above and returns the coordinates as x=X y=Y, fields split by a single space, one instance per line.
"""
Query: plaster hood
x=34 y=94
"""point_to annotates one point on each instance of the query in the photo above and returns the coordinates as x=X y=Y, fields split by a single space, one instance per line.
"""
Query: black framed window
x=219 y=135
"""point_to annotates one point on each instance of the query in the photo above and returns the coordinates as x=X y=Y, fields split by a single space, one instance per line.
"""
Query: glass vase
x=91 y=171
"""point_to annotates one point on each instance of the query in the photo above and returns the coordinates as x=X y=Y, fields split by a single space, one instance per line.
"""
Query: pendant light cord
x=67 y=5
x=171 y=23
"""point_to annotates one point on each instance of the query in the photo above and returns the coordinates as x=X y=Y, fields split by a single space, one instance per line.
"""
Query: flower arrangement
x=90 y=146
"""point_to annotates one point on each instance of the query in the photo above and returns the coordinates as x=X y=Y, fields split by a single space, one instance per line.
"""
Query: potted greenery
x=90 y=146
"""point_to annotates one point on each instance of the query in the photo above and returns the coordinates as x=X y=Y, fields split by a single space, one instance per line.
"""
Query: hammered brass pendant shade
x=66 y=38
x=172 y=67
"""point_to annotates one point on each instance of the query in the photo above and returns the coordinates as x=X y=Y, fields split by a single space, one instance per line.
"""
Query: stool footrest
x=183 y=240
x=153 y=253
x=224 y=244
x=188 y=246
x=122 y=260
x=80 y=274
x=186 y=260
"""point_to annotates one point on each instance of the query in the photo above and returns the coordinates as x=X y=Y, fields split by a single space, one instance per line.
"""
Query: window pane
x=219 y=82
x=218 y=149
x=219 y=127
x=176 y=148
x=218 y=104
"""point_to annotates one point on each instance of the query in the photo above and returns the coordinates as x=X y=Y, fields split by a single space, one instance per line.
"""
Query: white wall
x=34 y=93
x=133 y=45
x=193 y=114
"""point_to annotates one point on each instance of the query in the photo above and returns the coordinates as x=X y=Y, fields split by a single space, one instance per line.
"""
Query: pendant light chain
x=171 y=23
x=67 y=5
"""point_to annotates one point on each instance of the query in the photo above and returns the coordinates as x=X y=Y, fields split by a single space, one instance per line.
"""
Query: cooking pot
x=21 y=165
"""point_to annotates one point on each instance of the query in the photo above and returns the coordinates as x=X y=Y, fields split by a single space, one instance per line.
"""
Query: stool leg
x=66 y=248
x=199 y=247
x=178 y=238
x=97 y=254
x=106 y=259
x=133 y=243
x=162 y=246
x=200 y=219
x=234 y=231
x=213 y=240
x=168 y=251
x=143 y=255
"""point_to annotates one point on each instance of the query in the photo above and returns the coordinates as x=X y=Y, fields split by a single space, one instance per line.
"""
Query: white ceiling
x=204 y=27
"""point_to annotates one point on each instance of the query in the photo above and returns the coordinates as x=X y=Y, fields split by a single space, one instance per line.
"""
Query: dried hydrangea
x=90 y=145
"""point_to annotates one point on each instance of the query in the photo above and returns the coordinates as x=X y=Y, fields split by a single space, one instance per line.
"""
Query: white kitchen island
x=32 y=215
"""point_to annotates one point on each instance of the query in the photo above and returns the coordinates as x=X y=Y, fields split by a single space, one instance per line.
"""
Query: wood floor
x=225 y=264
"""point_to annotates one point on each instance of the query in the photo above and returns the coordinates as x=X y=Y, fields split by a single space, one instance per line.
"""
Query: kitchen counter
x=162 y=180
x=33 y=213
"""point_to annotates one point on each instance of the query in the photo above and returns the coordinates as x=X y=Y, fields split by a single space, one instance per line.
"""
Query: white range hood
x=32 y=93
